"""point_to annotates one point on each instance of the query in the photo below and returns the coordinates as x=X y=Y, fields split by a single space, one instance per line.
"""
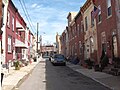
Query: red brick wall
x=0 y=14
x=108 y=25
x=80 y=37
x=10 y=32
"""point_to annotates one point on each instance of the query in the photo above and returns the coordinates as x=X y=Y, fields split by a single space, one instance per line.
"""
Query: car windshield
x=59 y=56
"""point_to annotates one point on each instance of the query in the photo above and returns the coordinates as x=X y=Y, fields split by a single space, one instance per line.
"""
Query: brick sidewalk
x=105 y=79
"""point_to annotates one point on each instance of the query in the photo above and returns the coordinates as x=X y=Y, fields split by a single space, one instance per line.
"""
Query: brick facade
x=80 y=36
x=103 y=34
x=9 y=32
x=107 y=36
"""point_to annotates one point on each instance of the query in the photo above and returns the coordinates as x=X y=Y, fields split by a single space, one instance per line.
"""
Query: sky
x=50 y=14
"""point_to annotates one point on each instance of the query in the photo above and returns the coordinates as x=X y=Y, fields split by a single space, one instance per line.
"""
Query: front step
x=115 y=71
x=107 y=69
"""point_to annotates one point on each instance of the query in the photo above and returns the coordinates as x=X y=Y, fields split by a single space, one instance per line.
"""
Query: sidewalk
x=15 y=76
x=107 y=80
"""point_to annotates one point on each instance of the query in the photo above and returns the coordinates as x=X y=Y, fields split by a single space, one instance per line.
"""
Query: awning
x=19 y=26
x=20 y=44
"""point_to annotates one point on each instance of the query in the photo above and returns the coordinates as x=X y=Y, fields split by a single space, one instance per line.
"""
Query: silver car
x=58 y=59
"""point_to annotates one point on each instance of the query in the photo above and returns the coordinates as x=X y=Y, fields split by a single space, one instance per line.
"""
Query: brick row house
x=94 y=29
x=17 y=39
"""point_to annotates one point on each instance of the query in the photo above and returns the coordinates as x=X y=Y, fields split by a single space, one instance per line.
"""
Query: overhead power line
x=27 y=15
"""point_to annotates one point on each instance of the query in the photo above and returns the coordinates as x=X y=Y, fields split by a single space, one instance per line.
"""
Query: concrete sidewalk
x=107 y=80
x=15 y=76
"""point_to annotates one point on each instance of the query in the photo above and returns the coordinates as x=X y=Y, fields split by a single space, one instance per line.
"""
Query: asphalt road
x=45 y=76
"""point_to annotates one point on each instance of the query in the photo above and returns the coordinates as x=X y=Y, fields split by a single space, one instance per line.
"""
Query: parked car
x=58 y=59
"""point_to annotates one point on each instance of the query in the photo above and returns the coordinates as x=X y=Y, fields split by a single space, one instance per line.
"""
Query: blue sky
x=50 y=14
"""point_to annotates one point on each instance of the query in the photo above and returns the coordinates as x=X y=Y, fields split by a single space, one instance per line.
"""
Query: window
x=78 y=27
x=92 y=44
x=92 y=19
x=109 y=9
x=99 y=14
x=86 y=24
x=80 y=47
x=13 y=23
x=82 y=27
x=119 y=4
x=9 y=43
x=78 y=31
x=2 y=15
x=8 y=19
x=75 y=31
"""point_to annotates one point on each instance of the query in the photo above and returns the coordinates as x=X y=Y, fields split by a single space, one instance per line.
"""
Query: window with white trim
x=8 y=19
x=2 y=15
x=109 y=8
x=9 y=43
x=13 y=23
x=99 y=14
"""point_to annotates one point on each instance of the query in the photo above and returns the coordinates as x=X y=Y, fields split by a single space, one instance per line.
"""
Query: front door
x=115 y=53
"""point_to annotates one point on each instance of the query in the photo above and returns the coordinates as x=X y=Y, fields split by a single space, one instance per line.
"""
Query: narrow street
x=45 y=76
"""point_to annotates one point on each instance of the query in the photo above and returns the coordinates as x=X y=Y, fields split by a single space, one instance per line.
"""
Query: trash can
x=2 y=75
x=34 y=59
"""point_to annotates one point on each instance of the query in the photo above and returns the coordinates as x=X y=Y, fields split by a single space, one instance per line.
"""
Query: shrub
x=17 y=65
x=89 y=63
x=104 y=62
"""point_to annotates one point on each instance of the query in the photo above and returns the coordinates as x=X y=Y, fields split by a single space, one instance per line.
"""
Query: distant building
x=48 y=50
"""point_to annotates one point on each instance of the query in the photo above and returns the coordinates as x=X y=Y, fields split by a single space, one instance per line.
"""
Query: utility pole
x=37 y=36
x=41 y=44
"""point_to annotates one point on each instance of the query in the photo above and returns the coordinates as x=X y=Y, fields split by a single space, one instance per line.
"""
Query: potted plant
x=17 y=65
x=89 y=63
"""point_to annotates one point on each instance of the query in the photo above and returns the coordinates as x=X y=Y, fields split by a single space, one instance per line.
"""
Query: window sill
x=8 y=26
x=92 y=26
x=109 y=16
x=9 y=52
x=99 y=22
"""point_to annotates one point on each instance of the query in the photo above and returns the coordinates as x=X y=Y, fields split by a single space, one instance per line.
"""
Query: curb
x=92 y=78
x=24 y=78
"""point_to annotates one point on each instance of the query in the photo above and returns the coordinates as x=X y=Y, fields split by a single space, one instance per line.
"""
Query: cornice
x=86 y=5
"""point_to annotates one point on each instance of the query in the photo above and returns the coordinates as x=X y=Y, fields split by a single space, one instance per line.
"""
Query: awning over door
x=18 y=43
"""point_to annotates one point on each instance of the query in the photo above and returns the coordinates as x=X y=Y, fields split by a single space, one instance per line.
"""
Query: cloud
x=34 y=5
x=50 y=14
